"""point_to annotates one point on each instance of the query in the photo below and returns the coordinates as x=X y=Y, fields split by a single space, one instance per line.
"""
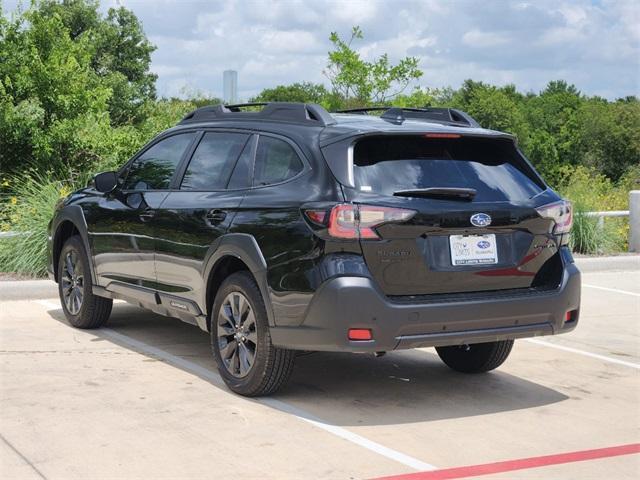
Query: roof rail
x=300 y=113
x=449 y=116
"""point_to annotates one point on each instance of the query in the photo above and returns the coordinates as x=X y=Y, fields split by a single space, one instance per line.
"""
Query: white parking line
x=625 y=292
x=214 y=378
x=604 y=358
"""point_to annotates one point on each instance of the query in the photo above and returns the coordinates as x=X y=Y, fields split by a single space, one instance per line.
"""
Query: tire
x=82 y=308
x=475 y=358
x=251 y=366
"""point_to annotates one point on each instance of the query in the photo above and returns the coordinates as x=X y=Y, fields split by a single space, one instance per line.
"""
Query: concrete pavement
x=142 y=399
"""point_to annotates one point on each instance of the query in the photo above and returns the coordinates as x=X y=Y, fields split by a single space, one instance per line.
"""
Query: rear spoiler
x=397 y=115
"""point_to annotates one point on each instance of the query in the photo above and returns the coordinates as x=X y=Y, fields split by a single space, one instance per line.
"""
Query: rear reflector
x=360 y=334
x=316 y=216
x=570 y=316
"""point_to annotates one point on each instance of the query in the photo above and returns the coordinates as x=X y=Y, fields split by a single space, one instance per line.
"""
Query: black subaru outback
x=290 y=229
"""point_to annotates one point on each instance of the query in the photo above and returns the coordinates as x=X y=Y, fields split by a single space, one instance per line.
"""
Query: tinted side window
x=276 y=161
x=213 y=161
x=240 y=177
x=154 y=169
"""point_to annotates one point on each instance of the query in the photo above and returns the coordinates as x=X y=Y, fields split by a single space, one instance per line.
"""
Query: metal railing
x=602 y=215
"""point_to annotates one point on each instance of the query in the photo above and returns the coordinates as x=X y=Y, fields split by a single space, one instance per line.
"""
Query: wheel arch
x=229 y=254
x=69 y=222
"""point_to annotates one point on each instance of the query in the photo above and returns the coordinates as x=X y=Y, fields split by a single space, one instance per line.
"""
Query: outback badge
x=480 y=220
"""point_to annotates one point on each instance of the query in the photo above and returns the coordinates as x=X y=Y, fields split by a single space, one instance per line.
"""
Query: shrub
x=28 y=212
x=27 y=201
x=592 y=191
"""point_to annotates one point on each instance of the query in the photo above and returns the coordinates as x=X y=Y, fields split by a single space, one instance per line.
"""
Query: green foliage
x=358 y=82
x=67 y=75
x=28 y=214
x=493 y=107
x=418 y=98
x=196 y=97
x=297 y=92
x=558 y=127
x=593 y=191
x=119 y=50
x=122 y=59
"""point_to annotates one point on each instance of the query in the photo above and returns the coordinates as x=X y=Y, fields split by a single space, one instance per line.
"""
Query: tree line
x=77 y=94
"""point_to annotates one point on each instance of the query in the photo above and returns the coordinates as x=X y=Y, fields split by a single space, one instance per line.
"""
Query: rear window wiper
x=450 y=192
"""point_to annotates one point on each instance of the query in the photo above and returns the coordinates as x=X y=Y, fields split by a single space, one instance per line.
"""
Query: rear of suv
x=290 y=229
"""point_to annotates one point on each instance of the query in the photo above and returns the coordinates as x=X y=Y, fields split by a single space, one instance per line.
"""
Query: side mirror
x=105 y=182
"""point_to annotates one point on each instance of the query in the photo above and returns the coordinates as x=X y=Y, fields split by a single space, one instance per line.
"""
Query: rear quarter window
x=276 y=161
x=493 y=167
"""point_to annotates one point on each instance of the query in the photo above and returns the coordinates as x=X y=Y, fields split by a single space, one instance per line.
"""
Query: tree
x=297 y=92
x=123 y=58
x=609 y=136
x=47 y=90
x=120 y=51
x=66 y=76
x=493 y=107
x=418 y=98
x=359 y=82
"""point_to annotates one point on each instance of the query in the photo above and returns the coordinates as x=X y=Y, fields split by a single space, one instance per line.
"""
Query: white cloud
x=478 y=39
x=592 y=43
x=294 y=41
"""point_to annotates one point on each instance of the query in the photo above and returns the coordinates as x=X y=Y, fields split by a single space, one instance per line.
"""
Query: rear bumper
x=355 y=302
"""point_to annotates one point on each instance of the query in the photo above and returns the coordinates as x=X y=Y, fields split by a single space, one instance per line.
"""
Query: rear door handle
x=147 y=215
x=216 y=216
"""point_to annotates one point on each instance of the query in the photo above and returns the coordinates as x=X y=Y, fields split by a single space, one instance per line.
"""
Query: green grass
x=28 y=212
x=590 y=192
x=588 y=237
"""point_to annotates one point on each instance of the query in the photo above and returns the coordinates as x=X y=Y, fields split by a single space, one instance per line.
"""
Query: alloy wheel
x=72 y=282
x=237 y=336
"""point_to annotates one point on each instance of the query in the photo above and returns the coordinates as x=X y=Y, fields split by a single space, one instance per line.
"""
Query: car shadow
x=339 y=388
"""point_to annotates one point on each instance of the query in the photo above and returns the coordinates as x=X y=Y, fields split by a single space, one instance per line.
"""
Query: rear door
x=475 y=227
x=199 y=209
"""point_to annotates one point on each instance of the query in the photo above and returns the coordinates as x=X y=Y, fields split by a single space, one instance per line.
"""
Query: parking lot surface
x=142 y=399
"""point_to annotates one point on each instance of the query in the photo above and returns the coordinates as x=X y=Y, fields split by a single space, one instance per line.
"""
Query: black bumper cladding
x=355 y=302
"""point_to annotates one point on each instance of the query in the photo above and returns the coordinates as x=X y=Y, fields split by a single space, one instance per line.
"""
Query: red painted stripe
x=520 y=464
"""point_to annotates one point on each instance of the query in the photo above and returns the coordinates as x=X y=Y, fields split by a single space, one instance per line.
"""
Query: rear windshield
x=492 y=167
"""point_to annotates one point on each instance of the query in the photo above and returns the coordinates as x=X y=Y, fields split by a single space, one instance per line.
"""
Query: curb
x=621 y=263
x=27 y=289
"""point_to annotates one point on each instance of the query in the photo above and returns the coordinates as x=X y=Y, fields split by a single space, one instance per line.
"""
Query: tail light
x=561 y=213
x=351 y=221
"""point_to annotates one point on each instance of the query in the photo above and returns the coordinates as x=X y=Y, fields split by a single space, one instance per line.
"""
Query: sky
x=592 y=44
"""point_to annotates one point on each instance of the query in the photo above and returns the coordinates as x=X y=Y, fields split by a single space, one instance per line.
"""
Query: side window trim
x=252 y=143
x=306 y=166
x=184 y=162
x=153 y=143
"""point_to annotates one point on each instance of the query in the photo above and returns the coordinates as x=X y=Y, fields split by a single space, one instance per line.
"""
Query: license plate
x=473 y=249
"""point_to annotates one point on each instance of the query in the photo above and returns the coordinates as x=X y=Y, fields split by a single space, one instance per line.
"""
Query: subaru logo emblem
x=480 y=220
